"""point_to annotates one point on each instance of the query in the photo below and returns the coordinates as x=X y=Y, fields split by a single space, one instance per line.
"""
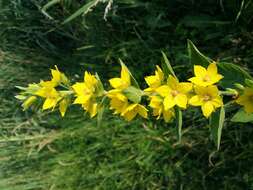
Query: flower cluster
x=121 y=102
x=206 y=92
x=165 y=93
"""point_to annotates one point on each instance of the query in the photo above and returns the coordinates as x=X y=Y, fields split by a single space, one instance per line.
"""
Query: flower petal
x=80 y=88
x=142 y=111
x=212 y=69
x=116 y=82
x=249 y=107
x=169 y=102
x=195 y=101
x=199 y=71
x=172 y=82
x=198 y=81
x=155 y=102
x=217 y=102
x=125 y=76
x=181 y=100
x=168 y=115
x=184 y=87
x=49 y=103
x=163 y=90
x=207 y=109
x=63 y=107
x=215 y=78
x=82 y=99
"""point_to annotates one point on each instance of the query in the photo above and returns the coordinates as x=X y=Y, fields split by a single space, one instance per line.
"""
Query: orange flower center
x=206 y=78
x=207 y=97
x=174 y=93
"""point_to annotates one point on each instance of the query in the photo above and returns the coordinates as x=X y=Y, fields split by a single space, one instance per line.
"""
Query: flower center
x=174 y=93
x=207 y=97
x=206 y=78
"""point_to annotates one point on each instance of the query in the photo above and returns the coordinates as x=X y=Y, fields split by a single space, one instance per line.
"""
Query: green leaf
x=47 y=6
x=232 y=74
x=133 y=94
x=50 y=4
x=167 y=68
x=216 y=123
x=249 y=83
x=101 y=109
x=133 y=80
x=83 y=10
x=242 y=117
x=179 y=123
x=196 y=57
x=100 y=87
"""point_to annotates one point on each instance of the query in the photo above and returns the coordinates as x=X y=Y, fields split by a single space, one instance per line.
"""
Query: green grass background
x=42 y=151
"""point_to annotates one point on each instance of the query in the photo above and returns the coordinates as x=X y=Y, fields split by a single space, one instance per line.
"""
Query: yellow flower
x=58 y=77
x=154 y=81
x=205 y=77
x=133 y=110
x=174 y=93
x=123 y=82
x=156 y=103
x=91 y=107
x=51 y=95
x=246 y=100
x=118 y=102
x=86 y=93
x=208 y=98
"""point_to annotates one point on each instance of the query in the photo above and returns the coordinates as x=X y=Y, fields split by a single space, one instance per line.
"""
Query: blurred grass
x=41 y=151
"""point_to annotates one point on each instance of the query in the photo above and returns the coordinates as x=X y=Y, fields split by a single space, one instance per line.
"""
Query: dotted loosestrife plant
x=167 y=96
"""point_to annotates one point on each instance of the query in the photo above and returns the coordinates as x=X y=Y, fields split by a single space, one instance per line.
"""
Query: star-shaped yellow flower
x=123 y=82
x=174 y=93
x=246 y=100
x=133 y=110
x=52 y=97
x=208 y=98
x=86 y=93
x=156 y=102
x=154 y=81
x=119 y=101
x=120 y=104
x=57 y=78
x=205 y=77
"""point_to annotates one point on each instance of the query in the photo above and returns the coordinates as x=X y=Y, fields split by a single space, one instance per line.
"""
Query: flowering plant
x=168 y=97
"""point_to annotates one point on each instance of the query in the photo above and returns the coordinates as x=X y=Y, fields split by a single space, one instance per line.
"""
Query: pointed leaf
x=167 y=68
x=216 y=123
x=83 y=10
x=50 y=4
x=196 y=57
x=232 y=74
x=242 y=117
x=249 y=83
